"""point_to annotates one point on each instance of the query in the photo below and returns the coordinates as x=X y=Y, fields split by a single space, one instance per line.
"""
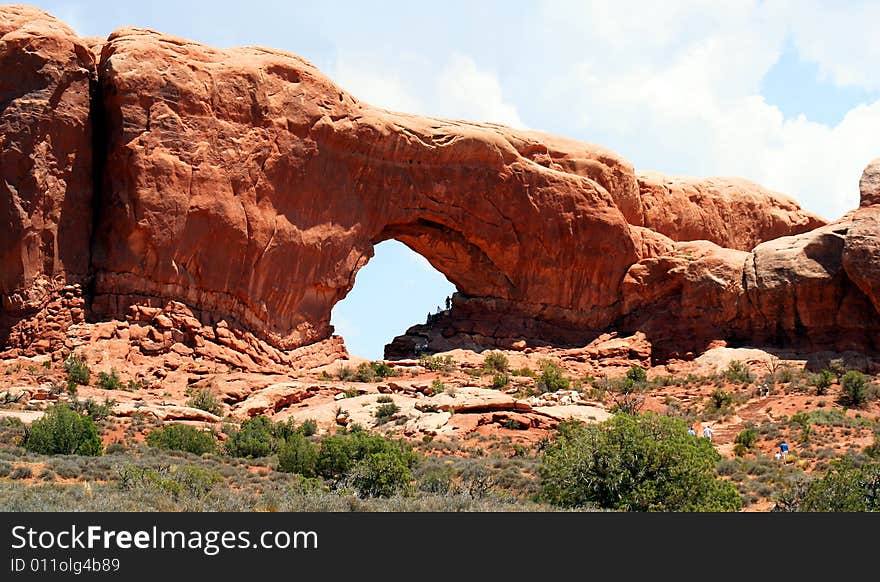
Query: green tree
x=381 y=474
x=824 y=381
x=298 y=455
x=254 y=438
x=854 y=386
x=63 y=431
x=636 y=463
x=552 y=377
x=495 y=362
x=205 y=400
x=182 y=437
x=845 y=487
x=77 y=370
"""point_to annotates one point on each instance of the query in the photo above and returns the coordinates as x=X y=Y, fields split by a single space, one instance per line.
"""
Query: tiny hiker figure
x=707 y=432
x=783 y=448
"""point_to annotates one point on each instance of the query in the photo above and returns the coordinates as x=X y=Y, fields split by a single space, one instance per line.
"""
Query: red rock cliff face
x=46 y=166
x=248 y=186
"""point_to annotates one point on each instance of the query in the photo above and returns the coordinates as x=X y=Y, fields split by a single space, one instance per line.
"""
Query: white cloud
x=467 y=92
x=689 y=102
x=841 y=37
x=459 y=89
x=383 y=89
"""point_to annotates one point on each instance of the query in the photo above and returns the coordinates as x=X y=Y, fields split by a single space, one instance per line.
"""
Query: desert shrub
x=110 y=381
x=495 y=362
x=436 y=479
x=341 y=452
x=845 y=486
x=636 y=463
x=385 y=411
x=437 y=387
x=94 y=409
x=205 y=400
x=382 y=370
x=345 y=373
x=364 y=373
x=384 y=399
x=823 y=381
x=297 y=455
x=63 y=431
x=21 y=472
x=720 y=399
x=437 y=363
x=855 y=389
x=308 y=427
x=740 y=449
x=77 y=370
x=381 y=474
x=500 y=380
x=175 y=481
x=182 y=437
x=552 y=377
x=626 y=394
x=254 y=438
x=5 y=469
x=637 y=374
x=740 y=372
x=837 y=367
x=747 y=438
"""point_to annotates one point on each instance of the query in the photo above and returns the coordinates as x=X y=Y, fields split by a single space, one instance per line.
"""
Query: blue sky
x=783 y=92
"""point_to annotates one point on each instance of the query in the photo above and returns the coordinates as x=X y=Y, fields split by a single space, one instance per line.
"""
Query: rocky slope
x=245 y=189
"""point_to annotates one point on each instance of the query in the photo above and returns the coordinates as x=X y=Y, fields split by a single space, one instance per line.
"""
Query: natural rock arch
x=246 y=185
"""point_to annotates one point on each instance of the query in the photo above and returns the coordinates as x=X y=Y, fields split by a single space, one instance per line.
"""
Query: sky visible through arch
x=783 y=92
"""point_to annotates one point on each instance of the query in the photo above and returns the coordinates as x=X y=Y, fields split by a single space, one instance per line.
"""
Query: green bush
x=495 y=362
x=856 y=391
x=182 y=437
x=626 y=394
x=298 y=455
x=385 y=411
x=308 y=427
x=552 y=377
x=174 y=481
x=636 y=463
x=720 y=399
x=110 y=381
x=437 y=363
x=437 y=387
x=21 y=472
x=637 y=374
x=345 y=373
x=205 y=400
x=747 y=438
x=77 y=370
x=93 y=409
x=364 y=373
x=824 y=381
x=739 y=372
x=381 y=474
x=342 y=451
x=63 y=431
x=845 y=487
x=500 y=380
x=382 y=369
x=254 y=438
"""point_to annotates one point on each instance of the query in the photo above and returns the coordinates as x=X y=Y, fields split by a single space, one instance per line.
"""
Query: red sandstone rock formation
x=46 y=167
x=246 y=186
x=730 y=212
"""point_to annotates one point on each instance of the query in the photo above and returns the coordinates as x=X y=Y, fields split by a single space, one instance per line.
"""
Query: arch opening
x=396 y=289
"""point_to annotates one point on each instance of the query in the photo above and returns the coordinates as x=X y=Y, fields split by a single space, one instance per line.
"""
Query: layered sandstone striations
x=242 y=190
